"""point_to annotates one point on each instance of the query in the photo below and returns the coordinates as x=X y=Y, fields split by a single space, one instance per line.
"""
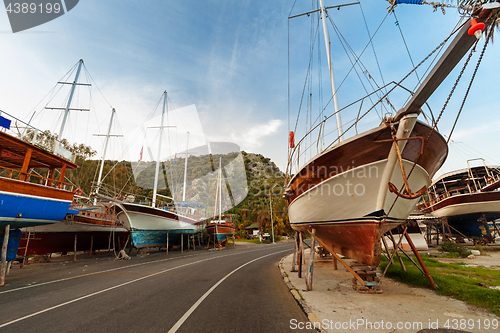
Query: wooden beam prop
x=3 y=266
x=422 y=264
x=309 y=275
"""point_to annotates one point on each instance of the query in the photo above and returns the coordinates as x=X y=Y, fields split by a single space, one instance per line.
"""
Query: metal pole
x=272 y=224
x=182 y=242
x=185 y=169
x=167 y=242
x=3 y=266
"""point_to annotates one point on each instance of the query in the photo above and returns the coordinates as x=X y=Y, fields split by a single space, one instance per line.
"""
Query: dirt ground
x=400 y=308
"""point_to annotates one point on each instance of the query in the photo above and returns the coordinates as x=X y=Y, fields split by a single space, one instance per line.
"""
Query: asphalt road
x=232 y=290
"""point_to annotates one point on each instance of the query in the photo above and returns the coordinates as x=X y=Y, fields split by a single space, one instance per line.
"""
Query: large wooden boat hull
x=343 y=193
x=149 y=226
x=220 y=231
x=24 y=204
x=469 y=213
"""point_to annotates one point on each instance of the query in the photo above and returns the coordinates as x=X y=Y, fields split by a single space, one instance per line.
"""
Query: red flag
x=142 y=148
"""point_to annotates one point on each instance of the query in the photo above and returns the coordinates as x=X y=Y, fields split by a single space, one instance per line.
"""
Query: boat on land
x=221 y=227
x=469 y=199
x=27 y=198
x=93 y=225
x=353 y=191
x=159 y=224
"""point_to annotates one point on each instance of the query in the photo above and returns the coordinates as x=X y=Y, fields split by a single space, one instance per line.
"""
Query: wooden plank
x=309 y=275
x=3 y=264
x=421 y=262
x=301 y=253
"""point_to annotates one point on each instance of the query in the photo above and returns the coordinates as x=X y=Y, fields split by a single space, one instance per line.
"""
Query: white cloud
x=254 y=136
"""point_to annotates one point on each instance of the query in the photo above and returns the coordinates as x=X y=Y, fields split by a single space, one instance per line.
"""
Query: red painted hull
x=220 y=230
x=55 y=242
x=90 y=226
x=350 y=223
x=340 y=237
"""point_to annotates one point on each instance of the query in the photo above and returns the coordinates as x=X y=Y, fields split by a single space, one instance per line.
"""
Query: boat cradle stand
x=366 y=279
x=299 y=259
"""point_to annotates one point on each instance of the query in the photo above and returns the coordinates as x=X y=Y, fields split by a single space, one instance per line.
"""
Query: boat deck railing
x=318 y=139
x=35 y=179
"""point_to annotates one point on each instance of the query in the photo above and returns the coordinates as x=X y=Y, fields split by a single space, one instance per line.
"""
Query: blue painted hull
x=473 y=226
x=26 y=211
x=151 y=238
x=222 y=237
x=13 y=243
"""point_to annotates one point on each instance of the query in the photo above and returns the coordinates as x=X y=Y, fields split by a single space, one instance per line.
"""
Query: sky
x=229 y=62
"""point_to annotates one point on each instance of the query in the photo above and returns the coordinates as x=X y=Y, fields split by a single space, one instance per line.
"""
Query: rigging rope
x=470 y=83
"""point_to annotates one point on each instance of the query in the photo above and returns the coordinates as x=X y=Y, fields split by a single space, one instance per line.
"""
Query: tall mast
x=66 y=110
x=104 y=153
x=220 y=188
x=155 y=186
x=185 y=169
x=332 y=78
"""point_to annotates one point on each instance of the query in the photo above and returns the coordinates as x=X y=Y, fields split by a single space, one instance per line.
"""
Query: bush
x=451 y=247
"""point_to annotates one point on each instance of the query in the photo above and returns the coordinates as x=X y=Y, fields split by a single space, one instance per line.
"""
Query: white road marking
x=136 y=280
x=111 y=270
x=202 y=298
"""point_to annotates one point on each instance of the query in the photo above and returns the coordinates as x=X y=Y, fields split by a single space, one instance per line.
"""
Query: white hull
x=467 y=208
x=353 y=195
x=134 y=220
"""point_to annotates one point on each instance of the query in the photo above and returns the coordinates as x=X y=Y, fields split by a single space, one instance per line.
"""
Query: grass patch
x=243 y=240
x=455 y=280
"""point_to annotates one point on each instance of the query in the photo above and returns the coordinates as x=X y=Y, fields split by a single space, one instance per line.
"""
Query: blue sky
x=229 y=59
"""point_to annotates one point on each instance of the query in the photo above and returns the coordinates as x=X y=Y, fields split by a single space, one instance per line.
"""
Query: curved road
x=233 y=290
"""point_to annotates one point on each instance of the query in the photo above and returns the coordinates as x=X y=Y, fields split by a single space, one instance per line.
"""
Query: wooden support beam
x=61 y=177
x=334 y=262
x=26 y=164
x=74 y=253
x=386 y=247
x=301 y=253
x=397 y=253
x=91 y=244
x=3 y=265
x=294 y=260
x=309 y=275
x=422 y=264
x=394 y=253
